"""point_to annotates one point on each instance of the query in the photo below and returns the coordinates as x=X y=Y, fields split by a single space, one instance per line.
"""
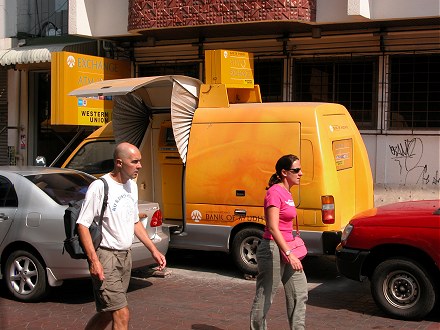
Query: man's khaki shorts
x=111 y=294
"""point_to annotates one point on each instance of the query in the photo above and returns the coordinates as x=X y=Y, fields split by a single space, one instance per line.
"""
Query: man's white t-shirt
x=120 y=215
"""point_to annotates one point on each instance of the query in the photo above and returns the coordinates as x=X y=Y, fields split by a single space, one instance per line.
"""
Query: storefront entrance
x=49 y=140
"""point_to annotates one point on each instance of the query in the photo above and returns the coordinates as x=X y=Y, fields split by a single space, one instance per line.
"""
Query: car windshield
x=63 y=188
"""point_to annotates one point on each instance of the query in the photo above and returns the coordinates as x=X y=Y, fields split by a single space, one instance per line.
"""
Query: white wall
x=98 y=18
x=336 y=11
x=395 y=9
x=404 y=166
x=8 y=18
x=8 y=23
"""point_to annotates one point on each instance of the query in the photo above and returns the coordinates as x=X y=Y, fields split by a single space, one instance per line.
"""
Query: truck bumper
x=349 y=262
x=330 y=240
x=321 y=243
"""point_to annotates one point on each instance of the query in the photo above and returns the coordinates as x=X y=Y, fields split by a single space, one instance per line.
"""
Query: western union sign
x=70 y=71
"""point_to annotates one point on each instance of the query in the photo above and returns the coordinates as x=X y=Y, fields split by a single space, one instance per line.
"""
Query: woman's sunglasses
x=295 y=170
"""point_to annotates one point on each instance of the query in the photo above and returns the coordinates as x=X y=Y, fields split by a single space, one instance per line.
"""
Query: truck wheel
x=244 y=249
x=25 y=276
x=403 y=288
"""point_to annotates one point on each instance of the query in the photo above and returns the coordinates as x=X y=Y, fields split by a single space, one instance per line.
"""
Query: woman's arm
x=272 y=223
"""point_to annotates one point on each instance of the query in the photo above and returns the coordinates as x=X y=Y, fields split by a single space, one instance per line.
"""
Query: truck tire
x=403 y=289
x=244 y=249
x=25 y=276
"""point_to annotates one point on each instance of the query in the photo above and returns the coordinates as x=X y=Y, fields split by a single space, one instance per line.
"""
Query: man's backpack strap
x=104 y=202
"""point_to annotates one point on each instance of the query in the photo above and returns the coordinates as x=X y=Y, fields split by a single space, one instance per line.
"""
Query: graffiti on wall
x=408 y=154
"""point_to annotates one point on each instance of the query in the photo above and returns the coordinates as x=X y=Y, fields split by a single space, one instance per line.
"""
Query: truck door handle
x=3 y=216
x=241 y=213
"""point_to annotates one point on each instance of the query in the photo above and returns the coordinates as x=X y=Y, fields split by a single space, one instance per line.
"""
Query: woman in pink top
x=280 y=211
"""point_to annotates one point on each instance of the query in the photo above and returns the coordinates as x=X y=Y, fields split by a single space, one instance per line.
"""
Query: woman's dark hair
x=284 y=163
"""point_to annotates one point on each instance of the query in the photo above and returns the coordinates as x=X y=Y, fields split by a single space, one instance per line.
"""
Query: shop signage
x=70 y=71
x=229 y=67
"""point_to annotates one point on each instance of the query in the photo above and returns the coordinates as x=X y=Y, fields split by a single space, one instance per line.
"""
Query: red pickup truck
x=397 y=247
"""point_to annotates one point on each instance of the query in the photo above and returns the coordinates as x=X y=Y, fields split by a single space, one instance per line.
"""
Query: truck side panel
x=231 y=163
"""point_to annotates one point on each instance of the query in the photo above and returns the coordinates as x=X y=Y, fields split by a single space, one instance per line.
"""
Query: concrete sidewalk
x=205 y=292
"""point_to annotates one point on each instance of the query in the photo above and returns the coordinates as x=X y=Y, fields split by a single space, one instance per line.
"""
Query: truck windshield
x=95 y=157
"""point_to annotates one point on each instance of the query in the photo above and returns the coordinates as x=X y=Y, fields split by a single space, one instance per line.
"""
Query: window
x=63 y=188
x=414 y=91
x=8 y=196
x=269 y=75
x=44 y=18
x=350 y=82
x=95 y=157
x=163 y=69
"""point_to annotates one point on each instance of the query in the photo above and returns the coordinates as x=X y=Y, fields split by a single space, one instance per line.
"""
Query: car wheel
x=25 y=276
x=244 y=249
x=403 y=289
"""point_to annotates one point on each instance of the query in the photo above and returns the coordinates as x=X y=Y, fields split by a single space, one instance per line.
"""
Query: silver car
x=32 y=205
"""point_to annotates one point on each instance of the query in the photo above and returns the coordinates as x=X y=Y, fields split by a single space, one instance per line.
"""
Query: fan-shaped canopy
x=137 y=99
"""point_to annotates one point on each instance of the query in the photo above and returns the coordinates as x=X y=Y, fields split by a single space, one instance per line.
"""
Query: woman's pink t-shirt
x=280 y=198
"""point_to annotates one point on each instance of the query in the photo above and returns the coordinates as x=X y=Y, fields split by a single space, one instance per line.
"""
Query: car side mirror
x=40 y=161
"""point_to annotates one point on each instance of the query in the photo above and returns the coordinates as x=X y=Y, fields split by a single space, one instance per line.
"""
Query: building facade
x=380 y=59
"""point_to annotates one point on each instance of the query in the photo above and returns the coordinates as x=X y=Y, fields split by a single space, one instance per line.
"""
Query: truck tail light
x=328 y=209
x=156 y=219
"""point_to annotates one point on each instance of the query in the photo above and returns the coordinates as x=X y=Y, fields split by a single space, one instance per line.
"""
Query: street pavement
x=204 y=291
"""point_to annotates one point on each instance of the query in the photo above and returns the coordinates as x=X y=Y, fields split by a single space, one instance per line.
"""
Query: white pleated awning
x=39 y=53
x=136 y=99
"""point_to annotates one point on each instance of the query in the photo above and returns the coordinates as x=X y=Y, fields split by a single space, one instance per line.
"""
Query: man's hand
x=141 y=234
x=95 y=266
x=160 y=259
x=96 y=270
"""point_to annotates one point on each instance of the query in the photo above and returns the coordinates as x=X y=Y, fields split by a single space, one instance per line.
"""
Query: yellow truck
x=209 y=149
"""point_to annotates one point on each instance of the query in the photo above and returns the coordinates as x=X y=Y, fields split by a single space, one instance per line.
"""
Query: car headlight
x=347 y=231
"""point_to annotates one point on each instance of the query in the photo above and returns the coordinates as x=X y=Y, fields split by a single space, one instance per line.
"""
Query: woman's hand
x=295 y=262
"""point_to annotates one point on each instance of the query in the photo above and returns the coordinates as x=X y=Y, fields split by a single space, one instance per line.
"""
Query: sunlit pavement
x=204 y=291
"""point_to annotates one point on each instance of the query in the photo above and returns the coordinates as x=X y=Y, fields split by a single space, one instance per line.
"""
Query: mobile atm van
x=208 y=151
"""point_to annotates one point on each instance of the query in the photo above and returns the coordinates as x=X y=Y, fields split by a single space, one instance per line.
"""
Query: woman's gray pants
x=270 y=272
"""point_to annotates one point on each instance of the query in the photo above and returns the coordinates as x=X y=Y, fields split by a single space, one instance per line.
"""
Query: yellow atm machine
x=171 y=173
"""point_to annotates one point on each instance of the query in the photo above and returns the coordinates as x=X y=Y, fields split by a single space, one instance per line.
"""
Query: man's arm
x=95 y=266
x=141 y=233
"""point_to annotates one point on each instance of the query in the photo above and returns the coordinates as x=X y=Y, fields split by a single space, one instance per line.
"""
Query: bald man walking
x=110 y=265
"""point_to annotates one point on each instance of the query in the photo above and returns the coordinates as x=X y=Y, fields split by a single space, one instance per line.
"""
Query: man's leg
x=121 y=318
x=110 y=294
x=99 y=321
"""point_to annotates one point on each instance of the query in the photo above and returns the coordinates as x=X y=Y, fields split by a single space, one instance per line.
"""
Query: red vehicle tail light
x=328 y=209
x=156 y=219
